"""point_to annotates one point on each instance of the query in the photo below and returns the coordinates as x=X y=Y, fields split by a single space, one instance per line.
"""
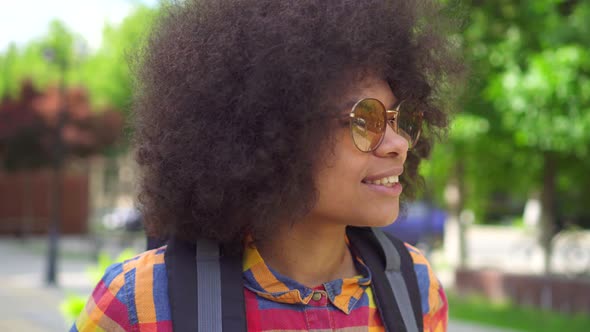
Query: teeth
x=388 y=181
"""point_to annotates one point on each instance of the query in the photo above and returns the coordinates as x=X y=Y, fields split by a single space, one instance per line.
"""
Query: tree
x=530 y=87
x=45 y=129
x=542 y=87
x=50 y=131
x=107 y=73
x=28 y=122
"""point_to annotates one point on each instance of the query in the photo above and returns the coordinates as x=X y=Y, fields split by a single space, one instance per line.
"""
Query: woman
x=271 y=127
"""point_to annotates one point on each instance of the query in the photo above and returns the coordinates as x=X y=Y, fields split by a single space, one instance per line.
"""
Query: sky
x=25 y=20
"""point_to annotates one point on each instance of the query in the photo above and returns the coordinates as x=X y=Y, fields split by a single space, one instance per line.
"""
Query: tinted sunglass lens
x=368 y=124
x=409 y=122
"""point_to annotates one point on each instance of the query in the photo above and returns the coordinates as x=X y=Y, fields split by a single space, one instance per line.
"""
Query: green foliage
x=61 y=57
x=59 y=45
x=528 y=92
x=72 y=306
x=536 y=70
x=44 y=61
x=104 y=261
x=547 y=104
x=107 y=72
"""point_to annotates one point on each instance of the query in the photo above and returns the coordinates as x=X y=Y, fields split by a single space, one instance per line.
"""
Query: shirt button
x=316 y=296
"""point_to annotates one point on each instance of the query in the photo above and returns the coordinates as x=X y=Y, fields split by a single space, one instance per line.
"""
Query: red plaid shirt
x=133 y=296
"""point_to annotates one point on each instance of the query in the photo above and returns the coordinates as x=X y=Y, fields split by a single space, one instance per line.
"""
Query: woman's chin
x=380 y=221
x=387 y=218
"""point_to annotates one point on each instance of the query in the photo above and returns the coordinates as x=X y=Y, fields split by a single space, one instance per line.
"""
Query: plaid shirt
x=133 y=296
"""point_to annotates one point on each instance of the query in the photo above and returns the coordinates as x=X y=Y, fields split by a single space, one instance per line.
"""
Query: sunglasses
x=369 y=117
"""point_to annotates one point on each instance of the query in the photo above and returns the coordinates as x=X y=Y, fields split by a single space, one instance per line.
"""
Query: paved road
x=27 y=305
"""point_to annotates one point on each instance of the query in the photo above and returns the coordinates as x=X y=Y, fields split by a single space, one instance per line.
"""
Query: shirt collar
x=269 y=284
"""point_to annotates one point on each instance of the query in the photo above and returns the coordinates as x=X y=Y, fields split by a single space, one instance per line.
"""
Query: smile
x=388 y=185
x=388 y=181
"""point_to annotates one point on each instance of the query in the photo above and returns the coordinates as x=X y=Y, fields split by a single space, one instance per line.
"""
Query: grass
x=480 y=310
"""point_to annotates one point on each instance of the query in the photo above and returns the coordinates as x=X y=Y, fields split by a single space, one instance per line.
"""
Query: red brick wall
x=552 y=292
x=13 y=193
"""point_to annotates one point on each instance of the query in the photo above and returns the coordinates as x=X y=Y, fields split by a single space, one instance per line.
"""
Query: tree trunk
x=26 y=225
x=548 y=218
x=460 y=206
x=97 y=200
x=455 y=239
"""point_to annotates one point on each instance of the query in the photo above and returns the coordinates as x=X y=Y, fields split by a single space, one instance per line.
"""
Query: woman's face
x=346 y=180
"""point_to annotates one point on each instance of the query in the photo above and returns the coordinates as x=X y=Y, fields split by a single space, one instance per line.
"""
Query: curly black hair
x=231 y=103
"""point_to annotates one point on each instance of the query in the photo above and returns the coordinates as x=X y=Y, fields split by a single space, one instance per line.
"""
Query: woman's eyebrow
x=349 y=104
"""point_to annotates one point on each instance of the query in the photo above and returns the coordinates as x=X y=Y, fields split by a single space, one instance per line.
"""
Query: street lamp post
x=58 y=155
x=57 y=178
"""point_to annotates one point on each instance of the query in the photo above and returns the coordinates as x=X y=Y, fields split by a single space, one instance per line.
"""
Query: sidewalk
x=455 y=326
x=27 y=305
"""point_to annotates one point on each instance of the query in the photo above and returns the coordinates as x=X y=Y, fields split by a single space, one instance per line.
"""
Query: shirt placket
x=318 y=315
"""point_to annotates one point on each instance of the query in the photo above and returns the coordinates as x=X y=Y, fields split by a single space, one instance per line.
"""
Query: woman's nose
x=393 y=144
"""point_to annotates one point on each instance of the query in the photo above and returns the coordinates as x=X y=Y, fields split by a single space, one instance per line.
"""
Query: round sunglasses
x=369 y=117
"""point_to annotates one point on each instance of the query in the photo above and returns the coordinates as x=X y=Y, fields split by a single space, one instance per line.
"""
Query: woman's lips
x=395 y=190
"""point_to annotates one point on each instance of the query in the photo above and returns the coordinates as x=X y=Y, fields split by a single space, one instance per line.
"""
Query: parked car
x=420 y=224
x=128 y=219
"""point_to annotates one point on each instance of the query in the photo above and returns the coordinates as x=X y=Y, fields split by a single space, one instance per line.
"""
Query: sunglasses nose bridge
x=393 y=125
x=391 y=119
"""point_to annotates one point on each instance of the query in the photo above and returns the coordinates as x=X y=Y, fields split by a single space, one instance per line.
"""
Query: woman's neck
x=309 y=254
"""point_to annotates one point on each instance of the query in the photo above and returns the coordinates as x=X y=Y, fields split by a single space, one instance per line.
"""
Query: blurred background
x=503 y=216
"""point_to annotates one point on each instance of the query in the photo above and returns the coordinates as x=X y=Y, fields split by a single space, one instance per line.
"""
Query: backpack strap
x=182 y=288
x=394 y=280
x=402 y=279
x=197 y=300
x=233 y=304
x=194 y=268
x=208 y=286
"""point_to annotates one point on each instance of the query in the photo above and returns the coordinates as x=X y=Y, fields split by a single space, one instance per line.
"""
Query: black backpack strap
x=198 y=301
x=233 y=304
x=399 y=270
x=181 y=271
x=394 y=281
